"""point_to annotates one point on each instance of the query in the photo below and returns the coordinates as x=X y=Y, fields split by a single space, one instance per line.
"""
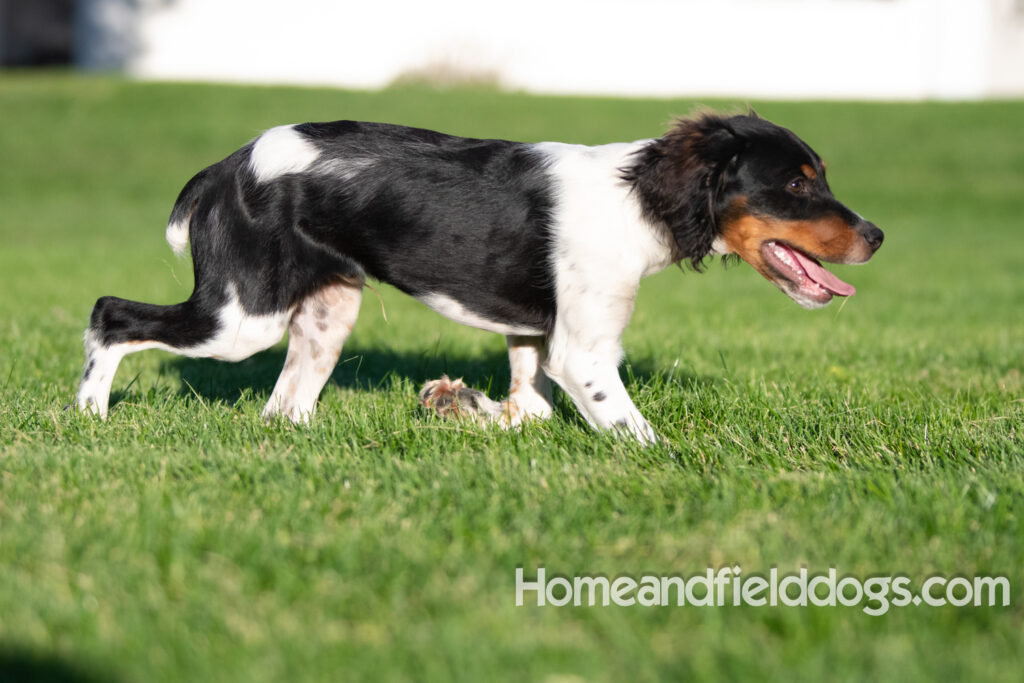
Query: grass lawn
x=186 y=540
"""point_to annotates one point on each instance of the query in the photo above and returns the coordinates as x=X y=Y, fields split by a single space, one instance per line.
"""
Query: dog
x=545 y=243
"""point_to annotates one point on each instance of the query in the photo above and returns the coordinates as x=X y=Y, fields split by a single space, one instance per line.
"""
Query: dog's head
x=742 y=185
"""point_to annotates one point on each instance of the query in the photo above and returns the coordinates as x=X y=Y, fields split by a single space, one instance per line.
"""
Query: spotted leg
x=583 y=358
x=316 y=332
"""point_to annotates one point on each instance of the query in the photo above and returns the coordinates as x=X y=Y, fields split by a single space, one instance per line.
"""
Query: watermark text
x=727 y=586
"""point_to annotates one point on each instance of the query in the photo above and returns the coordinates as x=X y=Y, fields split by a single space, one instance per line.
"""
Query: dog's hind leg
x=316 y=332
x=529 y=393
x=199 y=328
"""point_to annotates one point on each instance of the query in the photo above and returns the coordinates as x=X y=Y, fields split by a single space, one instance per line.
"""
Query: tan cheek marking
x=829 y=238
x=743 y=236
x=746 y=233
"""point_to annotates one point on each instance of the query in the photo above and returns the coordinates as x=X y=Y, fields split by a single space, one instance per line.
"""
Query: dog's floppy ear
x=678 y=179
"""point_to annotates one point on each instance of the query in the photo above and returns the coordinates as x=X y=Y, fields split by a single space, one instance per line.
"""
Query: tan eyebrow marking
x=809 y=171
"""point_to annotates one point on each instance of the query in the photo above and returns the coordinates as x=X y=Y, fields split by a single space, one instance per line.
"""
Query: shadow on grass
x=26 y=666
x=368 y=369
x=359 y=368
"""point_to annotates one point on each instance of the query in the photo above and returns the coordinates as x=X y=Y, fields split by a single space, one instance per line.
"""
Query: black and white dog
x=544 y=243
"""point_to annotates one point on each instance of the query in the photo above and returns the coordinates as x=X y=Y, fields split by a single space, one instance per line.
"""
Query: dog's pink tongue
x=823 y=277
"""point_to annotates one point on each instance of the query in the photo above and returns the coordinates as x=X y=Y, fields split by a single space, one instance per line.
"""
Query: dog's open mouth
x=806 y=281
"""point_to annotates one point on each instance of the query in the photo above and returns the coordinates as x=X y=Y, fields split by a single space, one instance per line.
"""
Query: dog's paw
x=452 y=398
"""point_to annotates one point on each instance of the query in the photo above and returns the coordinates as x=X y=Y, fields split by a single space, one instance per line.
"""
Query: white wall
x=1007 y=49
x=893 y=49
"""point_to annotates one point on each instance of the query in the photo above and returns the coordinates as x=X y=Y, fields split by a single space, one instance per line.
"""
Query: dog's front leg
x=583 y=358
x=594 y=385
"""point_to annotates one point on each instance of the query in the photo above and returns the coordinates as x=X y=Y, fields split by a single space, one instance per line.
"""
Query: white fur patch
x=453 y=310
x=602 y=247
x=280 y=151
x=719 y=247
x=240 y=334
x=600 y=232
x=177 y=237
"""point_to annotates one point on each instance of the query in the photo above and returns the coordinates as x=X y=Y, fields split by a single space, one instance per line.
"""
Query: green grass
x=184 y=539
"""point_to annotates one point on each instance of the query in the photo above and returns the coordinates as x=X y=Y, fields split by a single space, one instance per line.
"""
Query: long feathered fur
x=678 y=179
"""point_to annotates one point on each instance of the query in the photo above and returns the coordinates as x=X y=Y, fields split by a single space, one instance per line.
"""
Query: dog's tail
x=178 y=225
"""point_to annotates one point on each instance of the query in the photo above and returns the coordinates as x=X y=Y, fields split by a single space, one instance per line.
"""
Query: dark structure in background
x=37 y=32
x=98 y=35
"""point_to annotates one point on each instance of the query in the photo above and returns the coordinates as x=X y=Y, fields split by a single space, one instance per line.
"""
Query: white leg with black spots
x=593 y=383
x=316 y=333
x=100 y=367
x=583 y=358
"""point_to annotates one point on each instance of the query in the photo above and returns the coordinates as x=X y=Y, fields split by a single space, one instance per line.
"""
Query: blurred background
x=844 y=49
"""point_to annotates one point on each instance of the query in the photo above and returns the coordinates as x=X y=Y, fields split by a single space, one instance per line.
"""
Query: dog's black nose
x=873 y=236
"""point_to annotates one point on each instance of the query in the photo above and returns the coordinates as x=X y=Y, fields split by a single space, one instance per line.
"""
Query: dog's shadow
x=359 y=368
x=365 y=369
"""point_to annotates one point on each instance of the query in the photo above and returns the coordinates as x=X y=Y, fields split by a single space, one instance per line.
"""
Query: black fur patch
x=181 y=325
x=679 y=178
x=435 y=214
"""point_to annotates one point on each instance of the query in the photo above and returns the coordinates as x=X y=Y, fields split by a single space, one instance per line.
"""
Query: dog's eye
x=798 y=185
